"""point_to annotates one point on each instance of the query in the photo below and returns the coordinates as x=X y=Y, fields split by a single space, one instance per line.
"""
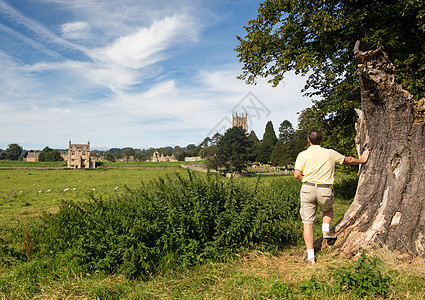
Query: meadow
x=252 y=265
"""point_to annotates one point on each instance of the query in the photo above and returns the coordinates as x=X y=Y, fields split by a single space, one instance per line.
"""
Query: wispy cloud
x=34 y=44
x=146 y=45
x=41 y=32
x=124 y=63
x=75 y=30
x=134 y=73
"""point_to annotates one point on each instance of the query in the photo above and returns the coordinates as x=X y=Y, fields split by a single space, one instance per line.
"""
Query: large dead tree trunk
x=389 y=206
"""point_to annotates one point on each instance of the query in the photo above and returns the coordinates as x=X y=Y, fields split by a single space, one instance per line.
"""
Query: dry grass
x=248 y=276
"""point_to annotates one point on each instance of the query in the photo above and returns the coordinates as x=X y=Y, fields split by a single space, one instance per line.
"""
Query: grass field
x=26 y=193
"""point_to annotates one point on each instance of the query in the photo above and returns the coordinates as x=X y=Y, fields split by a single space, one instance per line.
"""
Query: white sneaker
x=329 y=235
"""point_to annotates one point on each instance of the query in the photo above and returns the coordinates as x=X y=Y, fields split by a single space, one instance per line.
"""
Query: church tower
x=241 y=121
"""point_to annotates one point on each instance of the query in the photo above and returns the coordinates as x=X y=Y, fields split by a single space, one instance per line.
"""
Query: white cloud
x=129 y=89
x=40 y=32
x=75 y=30
x=146 y=46
x=168 y=113
x=128 y=60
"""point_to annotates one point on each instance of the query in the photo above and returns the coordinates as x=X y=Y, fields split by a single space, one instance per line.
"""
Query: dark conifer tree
x=267 y=144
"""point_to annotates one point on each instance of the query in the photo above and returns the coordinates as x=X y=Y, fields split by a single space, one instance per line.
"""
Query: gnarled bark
x=389 y=206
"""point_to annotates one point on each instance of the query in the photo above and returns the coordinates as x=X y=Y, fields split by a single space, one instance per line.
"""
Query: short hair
x=315 y=137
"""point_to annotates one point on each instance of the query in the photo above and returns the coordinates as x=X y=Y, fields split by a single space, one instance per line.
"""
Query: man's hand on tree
x=365 y=156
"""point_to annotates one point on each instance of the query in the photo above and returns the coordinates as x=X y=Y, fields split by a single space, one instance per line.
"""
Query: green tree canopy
x=49 y=154
x=110 y=157
x=254 y=146
x=118 y=155
x=299 y=142
x=283 y=152
x=13 y=152
x=267 y=144
x=140 y=156
x=128 y=152
x=209 y=150
x=286 y=131
x=232 y=150
x=316 y=38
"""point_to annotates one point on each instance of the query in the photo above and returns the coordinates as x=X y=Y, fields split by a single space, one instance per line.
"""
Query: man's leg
x=328 y=216
x=309 y=242
x=327 y=219
x=326 y=202
x=309 y=236
x=308 y=212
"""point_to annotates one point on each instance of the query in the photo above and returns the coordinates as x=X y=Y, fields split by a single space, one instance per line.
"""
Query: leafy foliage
x=282 y=291
x=346 y=188
x=109 y=157
x=313 y=285
x=49 y=154
x=283 y=152
x=362 y=279
x=13 y=152
x=267 y=143
x=232 y=150
x=209 y=151
x=254 y=146
x=129 y=152
x=286 y=131
x=317 y=38
x=169 y=224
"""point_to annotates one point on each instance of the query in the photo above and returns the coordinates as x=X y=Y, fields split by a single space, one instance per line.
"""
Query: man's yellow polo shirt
x=317 y=164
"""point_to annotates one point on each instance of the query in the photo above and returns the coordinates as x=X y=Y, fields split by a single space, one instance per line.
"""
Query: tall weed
x=362 y=279
x=169 y=224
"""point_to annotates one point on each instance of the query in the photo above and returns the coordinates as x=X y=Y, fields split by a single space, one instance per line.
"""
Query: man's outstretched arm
x=356 y=161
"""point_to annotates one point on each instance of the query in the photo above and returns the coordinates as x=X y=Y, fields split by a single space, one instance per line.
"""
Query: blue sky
x=130 y=73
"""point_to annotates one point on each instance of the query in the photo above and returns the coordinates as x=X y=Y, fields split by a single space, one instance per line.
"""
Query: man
x=315 y=168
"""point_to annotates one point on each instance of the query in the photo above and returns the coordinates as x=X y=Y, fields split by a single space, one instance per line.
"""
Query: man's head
x=315 y=137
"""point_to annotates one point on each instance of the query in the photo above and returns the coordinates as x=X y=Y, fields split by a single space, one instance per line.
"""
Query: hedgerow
x=169 y=224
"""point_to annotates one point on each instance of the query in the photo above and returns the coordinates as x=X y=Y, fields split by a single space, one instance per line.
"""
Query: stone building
x=32 y=155
x=193 y=158
x=241 y=121
x=156 y=157
x=78 y=156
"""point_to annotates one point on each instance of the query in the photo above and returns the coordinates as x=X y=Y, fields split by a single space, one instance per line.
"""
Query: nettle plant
x=362 y=279
x=169 y=224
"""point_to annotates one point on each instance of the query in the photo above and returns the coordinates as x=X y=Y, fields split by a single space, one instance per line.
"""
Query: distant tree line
x=232 y=152
x=49 y=154
x=16 y=152
x=235 y=150
x=179 y=153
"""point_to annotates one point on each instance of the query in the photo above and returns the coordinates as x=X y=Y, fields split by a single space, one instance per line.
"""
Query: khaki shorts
x=311 y=197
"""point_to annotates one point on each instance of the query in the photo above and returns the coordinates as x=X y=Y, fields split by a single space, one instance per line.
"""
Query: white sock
x=325 y=227
x=310 y=253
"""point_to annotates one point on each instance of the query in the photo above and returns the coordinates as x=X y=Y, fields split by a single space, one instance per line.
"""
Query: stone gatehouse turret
x=241 y=121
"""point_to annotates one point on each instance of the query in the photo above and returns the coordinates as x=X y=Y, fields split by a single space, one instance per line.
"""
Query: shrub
x=362 y=279
x=169 y=224
x=346 y=188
